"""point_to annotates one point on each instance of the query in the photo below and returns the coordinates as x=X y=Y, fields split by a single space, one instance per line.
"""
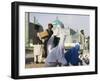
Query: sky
x=74 y=21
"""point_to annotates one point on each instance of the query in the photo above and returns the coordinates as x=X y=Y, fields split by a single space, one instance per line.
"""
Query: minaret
x=34 y=20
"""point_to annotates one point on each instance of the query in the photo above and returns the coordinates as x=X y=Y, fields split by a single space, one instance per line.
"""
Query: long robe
x=56 y=54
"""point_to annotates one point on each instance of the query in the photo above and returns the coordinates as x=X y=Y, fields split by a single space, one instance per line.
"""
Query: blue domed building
x=57 y=23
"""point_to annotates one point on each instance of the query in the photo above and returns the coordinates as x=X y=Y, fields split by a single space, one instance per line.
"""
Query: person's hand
x=43 y=40
x=37 y=34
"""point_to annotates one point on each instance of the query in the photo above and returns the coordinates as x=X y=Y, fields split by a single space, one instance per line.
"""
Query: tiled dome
x=57 y=23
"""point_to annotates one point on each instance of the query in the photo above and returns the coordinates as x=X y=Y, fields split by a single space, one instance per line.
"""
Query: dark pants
x=45 y=48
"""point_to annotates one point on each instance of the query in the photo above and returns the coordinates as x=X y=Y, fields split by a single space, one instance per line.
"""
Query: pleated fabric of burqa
x=56 y=54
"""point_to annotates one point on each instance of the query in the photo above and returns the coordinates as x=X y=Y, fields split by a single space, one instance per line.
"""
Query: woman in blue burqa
x=72 y=56
x=55 y=48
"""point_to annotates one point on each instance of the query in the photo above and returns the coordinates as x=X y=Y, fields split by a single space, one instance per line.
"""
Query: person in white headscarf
x=56 y=53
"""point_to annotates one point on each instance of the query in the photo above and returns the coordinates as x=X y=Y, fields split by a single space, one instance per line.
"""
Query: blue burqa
x=72 y=55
